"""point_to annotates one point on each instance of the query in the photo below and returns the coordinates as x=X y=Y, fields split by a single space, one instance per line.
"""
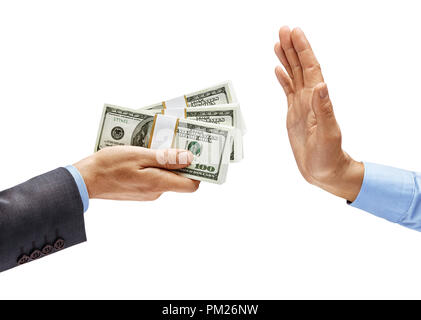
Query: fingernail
x=323 y=92
x=185 y=157
x=190 y=156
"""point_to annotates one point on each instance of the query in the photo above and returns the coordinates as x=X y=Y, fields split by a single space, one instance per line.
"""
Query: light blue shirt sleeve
x=81 y=186
x=392 y=194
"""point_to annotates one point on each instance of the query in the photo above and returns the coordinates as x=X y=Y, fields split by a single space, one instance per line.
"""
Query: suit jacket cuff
x=40 y=217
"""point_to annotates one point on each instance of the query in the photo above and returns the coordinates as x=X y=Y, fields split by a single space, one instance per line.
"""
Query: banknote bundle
x=209 y=123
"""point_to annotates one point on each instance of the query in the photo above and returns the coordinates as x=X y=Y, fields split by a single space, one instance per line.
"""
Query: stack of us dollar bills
x=209 y=123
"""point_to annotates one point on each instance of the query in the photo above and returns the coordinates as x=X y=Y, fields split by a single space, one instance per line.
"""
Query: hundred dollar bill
x=224 y=114
x=210 y=143
x=220 y=94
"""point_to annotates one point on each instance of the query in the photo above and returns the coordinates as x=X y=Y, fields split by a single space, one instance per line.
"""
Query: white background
x=266 y=233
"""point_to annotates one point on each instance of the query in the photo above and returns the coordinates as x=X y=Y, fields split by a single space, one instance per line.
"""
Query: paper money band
x=176 y=103
x=176 y=112
x=163 y=132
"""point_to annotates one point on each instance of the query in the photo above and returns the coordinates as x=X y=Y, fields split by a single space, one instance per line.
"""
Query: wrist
x=346 y=181
x=86 y=168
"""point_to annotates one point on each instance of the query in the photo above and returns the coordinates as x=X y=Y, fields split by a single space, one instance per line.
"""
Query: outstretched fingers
x=291 y=56
x=282 y=57
x=312 y=74
x=285 y=82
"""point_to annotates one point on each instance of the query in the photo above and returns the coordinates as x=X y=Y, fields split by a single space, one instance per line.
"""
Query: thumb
x=323 y=109
x=172 y=159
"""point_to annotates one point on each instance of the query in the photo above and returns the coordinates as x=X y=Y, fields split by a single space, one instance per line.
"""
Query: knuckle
x=163 y=158
x=327 y=110
x=305 y=51
x=170 y=157
x=157 y=196
x=195 y=187
x=153 y=196
x=296 y=68
x=314 y=67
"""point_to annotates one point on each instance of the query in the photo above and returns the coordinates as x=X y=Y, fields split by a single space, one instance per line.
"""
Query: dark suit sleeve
x=39 y=217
